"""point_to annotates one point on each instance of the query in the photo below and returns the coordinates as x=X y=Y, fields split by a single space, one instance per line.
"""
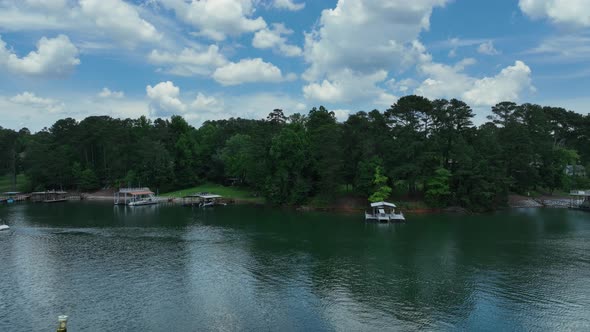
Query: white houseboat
x=384 y=212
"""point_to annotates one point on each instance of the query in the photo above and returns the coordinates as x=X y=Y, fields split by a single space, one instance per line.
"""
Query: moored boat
x=384 y=212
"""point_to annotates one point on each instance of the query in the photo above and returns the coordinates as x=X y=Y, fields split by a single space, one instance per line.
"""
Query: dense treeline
x=421 y=148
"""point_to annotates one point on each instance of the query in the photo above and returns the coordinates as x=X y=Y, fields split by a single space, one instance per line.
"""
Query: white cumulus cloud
x=217 y=19
x=359 y=43
x=53 y=57
x=569 y=12
x=189 y=61
x=273 y=39
x=164 y=99
x=288 y=5
x=248 y=71
x=119 y=19
x=444 y=81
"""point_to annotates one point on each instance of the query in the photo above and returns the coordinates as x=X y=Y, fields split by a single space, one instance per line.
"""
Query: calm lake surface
x=240 y=268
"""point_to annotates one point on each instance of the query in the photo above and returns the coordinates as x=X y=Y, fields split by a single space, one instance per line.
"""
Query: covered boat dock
x=135 y=197
x=580 y=200
x=203 y=200
x=50 y=196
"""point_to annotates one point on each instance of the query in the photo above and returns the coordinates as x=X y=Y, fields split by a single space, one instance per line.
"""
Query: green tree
x=88 y=180
x=438 y=192
x=237 y=156
x=382 y=190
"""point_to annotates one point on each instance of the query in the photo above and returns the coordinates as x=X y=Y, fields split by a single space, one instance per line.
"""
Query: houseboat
x=203 y=200
x=135 y=197
x=4 y=227
x=384 y=212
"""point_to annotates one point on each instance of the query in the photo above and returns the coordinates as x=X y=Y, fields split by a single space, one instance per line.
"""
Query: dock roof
x=383 y=204
x=136 y=191
x=204 y=195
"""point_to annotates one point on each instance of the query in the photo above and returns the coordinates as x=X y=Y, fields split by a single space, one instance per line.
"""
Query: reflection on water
x=245 y=268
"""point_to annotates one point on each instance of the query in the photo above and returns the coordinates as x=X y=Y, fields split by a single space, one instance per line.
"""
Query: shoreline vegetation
x=345 y=204
x=424 y=155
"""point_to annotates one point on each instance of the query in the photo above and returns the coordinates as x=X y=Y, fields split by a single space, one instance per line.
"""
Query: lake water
x=240 y=268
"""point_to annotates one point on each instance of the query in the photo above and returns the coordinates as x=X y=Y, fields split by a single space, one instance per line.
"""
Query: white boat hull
x=4 y=227
x=146 y=202
x=385 y=217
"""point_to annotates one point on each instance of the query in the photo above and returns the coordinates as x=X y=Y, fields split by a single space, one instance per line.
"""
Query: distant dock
x=580 y=200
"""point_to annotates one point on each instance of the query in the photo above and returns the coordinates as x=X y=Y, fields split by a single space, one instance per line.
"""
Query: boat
x=384 y=212
x=135 y=197
x=146 y=201
x=4 y=227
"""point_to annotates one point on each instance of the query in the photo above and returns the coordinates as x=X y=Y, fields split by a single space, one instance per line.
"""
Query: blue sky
x=213 y=59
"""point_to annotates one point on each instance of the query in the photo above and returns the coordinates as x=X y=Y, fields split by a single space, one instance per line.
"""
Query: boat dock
x=203 y=200
x=135 y=197
x=13 y=196
x=580 y=200
x=49 y=196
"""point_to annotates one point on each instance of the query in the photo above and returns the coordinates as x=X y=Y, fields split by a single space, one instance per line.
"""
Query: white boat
x=384 y=212
x=4 y=227
x=147 y=201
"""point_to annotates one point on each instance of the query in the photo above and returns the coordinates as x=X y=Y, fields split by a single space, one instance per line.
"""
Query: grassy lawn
x=6 y=183
x=228 y=192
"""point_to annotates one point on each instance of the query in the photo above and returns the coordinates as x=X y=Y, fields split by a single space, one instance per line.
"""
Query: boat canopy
x=136 y=191
x=205 y=196
x=378 y=204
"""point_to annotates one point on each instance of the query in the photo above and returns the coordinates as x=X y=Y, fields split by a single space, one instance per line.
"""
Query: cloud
x=360 y=42
x=217 y=19
x=346 y=86
x=273 y=39
x=207 y=104
x=288 y=5
x=107 y=93
x=189 y=61
x=120 y=20
x=341 y=114
x=248 y=71
x=487 y=48
x=446 y=81
x=53 y=57
x=30 y=99
x=114 y=19
x=366 y=36
x=164 y=99
x=566 y=12
x=562 y=49
x=47 y=4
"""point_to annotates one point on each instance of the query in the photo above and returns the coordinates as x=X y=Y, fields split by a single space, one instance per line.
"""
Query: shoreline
x=514 y=202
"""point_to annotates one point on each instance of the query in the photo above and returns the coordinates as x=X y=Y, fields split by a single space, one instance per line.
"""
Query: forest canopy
x=422 y=149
